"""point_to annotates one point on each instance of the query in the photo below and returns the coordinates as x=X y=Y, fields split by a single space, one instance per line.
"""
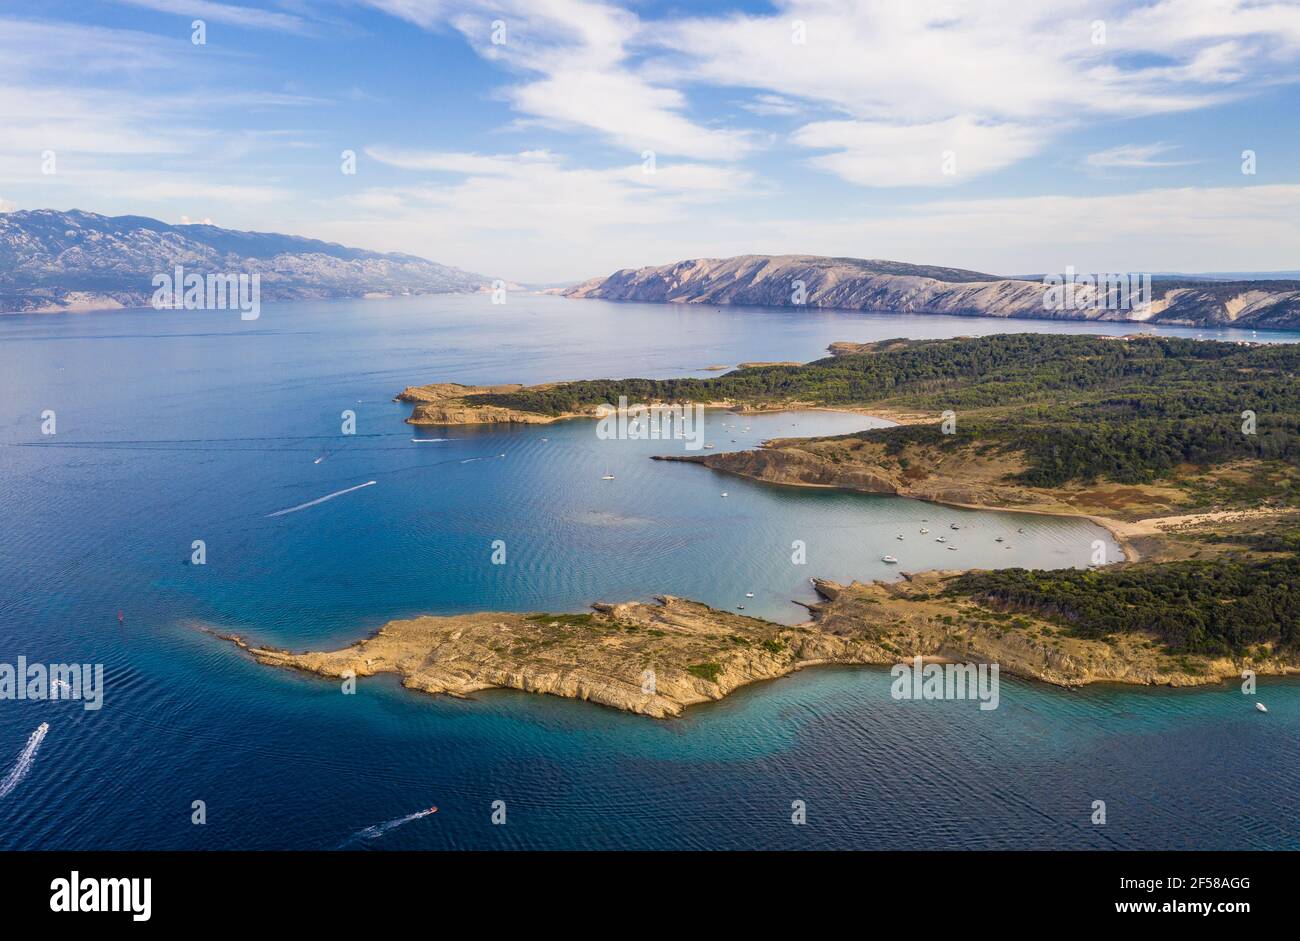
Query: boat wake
x=328 y=496
x=379 y=829
x=24 y=763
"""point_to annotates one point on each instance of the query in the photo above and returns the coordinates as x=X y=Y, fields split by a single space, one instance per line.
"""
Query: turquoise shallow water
x=189 y=425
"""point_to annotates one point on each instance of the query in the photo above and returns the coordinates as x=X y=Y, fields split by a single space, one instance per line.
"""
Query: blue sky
x=1004 y=136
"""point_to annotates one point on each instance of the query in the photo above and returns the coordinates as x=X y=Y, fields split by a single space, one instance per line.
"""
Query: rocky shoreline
x=658 y=659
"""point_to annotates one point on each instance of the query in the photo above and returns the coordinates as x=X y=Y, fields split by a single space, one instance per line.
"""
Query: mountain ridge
x=53 y=260
x=900 y=287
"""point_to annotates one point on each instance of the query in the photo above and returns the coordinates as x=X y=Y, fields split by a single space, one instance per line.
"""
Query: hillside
x=1188 y=451
x=54 y=261
x=888 y=286
x=1041 y=420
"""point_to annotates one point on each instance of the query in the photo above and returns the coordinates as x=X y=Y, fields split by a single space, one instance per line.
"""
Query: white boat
x=924 y=530
x=708 y=446
x=607 y=477
x=1261 y=707
x=899 y=537
x=952 y=548
x=942 y=539
x=953 y=526
x=998 y=539
x=724 y=493
x=888 y=558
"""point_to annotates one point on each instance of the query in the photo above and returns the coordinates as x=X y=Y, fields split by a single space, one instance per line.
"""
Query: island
x=890 y=287
x=1186 y=450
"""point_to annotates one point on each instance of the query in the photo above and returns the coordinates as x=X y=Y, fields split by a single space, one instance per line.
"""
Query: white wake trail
x=379 y=829
x=24 y=762
x=328 y=496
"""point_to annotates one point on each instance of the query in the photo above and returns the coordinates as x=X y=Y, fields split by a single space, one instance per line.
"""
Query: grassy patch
x=705 y=671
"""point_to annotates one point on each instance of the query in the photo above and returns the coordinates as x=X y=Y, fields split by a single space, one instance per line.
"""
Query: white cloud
x=531 y=215
x=450 y=162
x=30 y=46
x=232 y=14
x=944 y=152
x=1246 y=228
x=579 y=72
x=899 y=72
x=996 y=79
x=1133 y=156
x=773 y=105
x=1251 y=228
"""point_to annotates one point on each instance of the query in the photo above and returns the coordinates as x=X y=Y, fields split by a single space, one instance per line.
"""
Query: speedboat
x=952 y=548
x=1261 y=707
x=953 y=526
x=888 y=558
x=942 y=539
x=998 y=539
x=899 y=537
x=724 y=493
x=749 y=594
x=924 y=530
x=608 y=477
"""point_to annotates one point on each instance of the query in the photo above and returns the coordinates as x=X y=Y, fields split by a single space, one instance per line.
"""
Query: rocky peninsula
x=1143 y=435
x=658 y=659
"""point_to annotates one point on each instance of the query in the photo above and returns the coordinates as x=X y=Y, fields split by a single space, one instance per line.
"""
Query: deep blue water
x=179 y=426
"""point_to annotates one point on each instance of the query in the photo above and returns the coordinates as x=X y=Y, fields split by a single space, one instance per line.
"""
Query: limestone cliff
x=875 y=285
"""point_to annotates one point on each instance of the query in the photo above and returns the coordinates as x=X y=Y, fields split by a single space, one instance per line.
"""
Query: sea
x=130 y=439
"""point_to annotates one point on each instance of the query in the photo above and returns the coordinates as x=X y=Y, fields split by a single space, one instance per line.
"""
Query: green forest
x=1079 y=408
x=1212 y=607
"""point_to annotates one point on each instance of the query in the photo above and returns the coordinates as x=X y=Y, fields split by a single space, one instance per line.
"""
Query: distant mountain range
x=54 y=261
x=890 y=286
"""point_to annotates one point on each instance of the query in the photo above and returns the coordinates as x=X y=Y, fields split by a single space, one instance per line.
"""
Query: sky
x=548 y=141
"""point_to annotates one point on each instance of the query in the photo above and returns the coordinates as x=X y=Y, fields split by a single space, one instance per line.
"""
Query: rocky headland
x=897 y=287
